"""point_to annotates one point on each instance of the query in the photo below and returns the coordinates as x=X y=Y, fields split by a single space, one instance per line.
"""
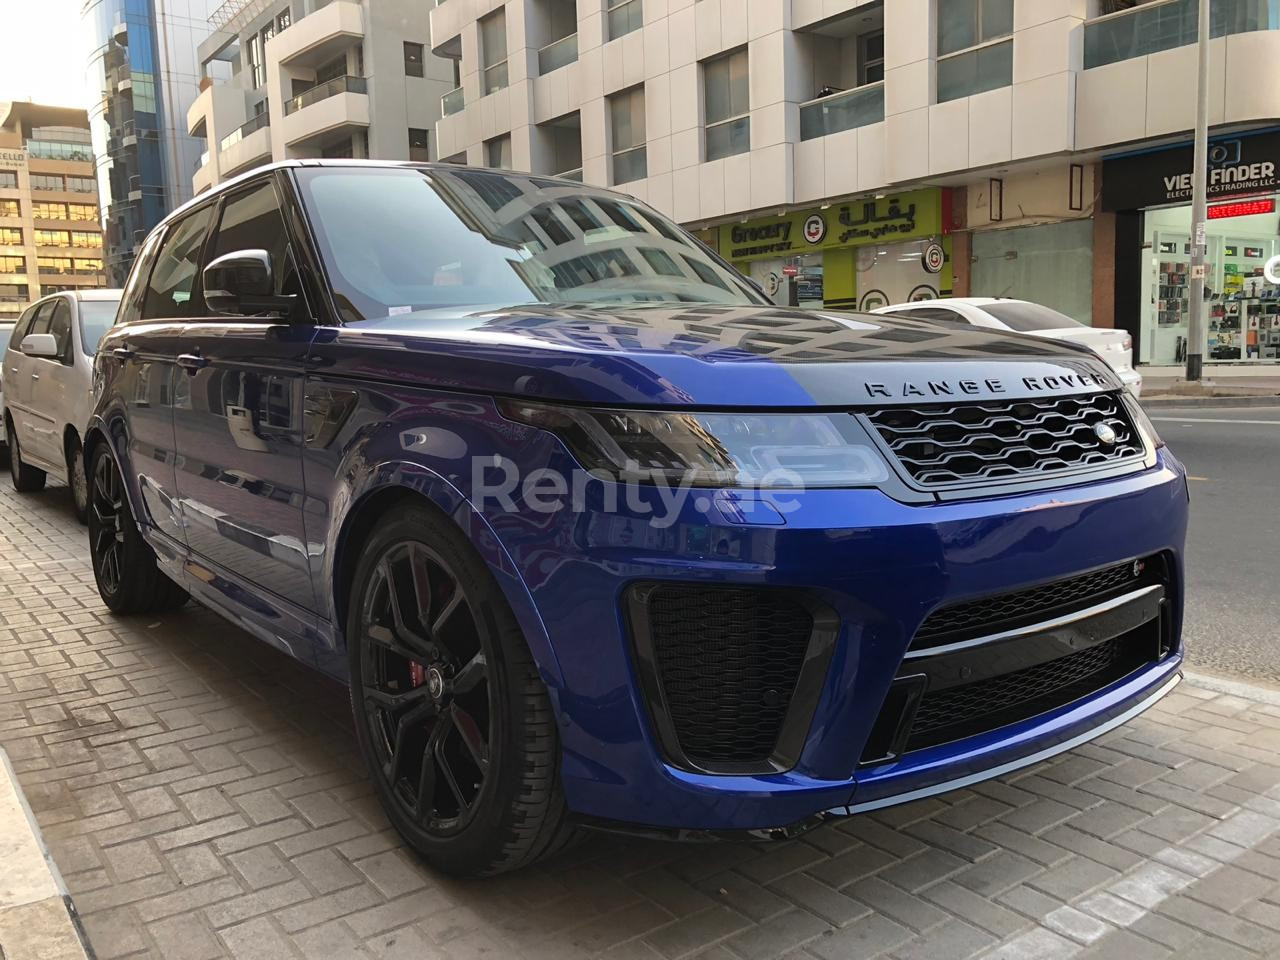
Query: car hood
x=706 y=355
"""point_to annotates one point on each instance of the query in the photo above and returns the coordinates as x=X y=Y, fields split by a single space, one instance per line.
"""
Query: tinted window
x=135 y=288
x=96 y=318
x=23 y=326
x=251 y=220
x=6 y=331
x=1021 y=316
x=60 y=327
x=172 y=284
x=399 y=240
x=40 y=324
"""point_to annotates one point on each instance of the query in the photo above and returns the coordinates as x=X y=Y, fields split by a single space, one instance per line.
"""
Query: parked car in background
x=599 y=536
x=1022 y=316
x=48 y=369
x=6 y=331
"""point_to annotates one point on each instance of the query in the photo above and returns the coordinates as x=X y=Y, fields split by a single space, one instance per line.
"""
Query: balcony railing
x=842 y=111
x=323 y=91
x=1166 y=24
x=60 y=150
x=256 y=123
x=452 y=102
x=558 y=54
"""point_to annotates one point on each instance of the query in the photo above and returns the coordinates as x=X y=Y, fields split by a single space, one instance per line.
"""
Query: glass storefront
x=1243 y=309
x=857 y=255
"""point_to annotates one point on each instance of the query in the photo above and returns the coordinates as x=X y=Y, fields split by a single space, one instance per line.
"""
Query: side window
x=23 y=326
x=135 y=288
x=40 y=323
x=936 y=315
x=251 y=220
x=60 y=327
x=172 y=286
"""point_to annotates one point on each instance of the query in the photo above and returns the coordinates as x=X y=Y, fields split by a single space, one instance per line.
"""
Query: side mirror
x=240 y=284
x=40 y=345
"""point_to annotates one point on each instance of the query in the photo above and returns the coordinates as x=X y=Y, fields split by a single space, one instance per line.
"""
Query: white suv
x=48 y=369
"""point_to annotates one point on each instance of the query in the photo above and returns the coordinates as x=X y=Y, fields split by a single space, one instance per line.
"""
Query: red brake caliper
x=417 y=674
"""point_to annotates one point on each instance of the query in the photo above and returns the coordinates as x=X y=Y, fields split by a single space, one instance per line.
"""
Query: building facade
x=50 y=234
x=142 y=76
x=850 y=153
x=307 y=78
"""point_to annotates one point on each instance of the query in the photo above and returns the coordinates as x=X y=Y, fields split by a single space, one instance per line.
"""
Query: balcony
x=246 y=146
x=557 y=54
x=842 y=111
x=1153 y=27
x=320 y=36
x=60 y=150
x=235 y=136
x=327 y=107
x=452 y=102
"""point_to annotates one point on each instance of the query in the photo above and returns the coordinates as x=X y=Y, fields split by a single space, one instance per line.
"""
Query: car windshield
x=96 y=318
x=399 y=240
x=1026 y=317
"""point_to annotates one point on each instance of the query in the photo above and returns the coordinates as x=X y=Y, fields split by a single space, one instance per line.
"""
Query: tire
x=26 y=479
x=77 y=480
x=129 y=578
x=445 y=691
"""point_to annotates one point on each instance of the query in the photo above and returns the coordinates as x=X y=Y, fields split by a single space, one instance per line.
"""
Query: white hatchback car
x=48 y=369
x=1022 y=316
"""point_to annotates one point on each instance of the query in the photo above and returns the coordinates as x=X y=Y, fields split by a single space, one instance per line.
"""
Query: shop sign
x=18 y=157
x=933 y=257
x=903 y=216
x=1237 y=166
x=1242 y=208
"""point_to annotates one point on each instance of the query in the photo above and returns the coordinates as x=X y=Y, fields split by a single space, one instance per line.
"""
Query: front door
x=52 y=392
x=18 y=368
x=239 y=424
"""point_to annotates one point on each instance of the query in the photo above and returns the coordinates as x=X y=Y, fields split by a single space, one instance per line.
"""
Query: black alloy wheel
x=124 y=566
x=425 y=686
x=450 y=712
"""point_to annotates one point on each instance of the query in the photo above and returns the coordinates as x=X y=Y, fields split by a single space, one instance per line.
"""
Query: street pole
x=1199 y=203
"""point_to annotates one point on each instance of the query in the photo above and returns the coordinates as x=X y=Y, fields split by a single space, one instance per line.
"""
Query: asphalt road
x=1233 y=547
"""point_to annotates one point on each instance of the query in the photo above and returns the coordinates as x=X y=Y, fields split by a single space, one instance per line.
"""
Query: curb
x=38 y=920
x=1257 y=692
x=1170 y=403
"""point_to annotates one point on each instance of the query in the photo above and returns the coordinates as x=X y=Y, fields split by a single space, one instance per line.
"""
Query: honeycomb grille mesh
x=992 y=614
x=972 y=443
x=960 y=711
x=728 y=660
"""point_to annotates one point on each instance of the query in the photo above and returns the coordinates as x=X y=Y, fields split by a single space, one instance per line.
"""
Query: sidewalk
x=1258 y=382
x=202 y=797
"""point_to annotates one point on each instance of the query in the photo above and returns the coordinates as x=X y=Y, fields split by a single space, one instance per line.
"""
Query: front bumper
x=881 y=566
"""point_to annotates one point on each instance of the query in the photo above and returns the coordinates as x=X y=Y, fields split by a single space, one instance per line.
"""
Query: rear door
x=52 y=384
x=154 y=314
x=239 y=419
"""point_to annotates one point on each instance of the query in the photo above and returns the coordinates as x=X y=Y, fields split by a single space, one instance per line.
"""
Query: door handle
x=35 y=376
x=122 y=353
x=191 y=362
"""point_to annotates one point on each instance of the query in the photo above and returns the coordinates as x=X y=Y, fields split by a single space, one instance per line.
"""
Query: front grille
x=973 y=708
x=727 y=661
x=964 y=444
x=1009 y=610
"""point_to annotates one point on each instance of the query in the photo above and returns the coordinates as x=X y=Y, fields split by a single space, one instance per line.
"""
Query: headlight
x=1141 y=420
x=759 y=450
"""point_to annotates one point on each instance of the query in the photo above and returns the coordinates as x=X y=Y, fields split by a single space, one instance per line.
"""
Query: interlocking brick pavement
x=202 y=796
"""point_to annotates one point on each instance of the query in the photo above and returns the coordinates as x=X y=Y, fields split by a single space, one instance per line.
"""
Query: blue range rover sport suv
x=599 y=536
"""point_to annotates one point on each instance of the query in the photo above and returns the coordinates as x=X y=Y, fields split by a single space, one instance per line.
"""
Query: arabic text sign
x=901 y=216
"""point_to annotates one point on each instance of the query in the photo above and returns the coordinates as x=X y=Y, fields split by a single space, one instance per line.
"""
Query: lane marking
x=1204 y=479
x=1267 y=423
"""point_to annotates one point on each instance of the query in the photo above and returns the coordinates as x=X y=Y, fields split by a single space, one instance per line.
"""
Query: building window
x=13 y=264
x=79 y=184
x=8 y=180
x=45 y=181
x=419 y=145
x=624 y=16
x=725 y=90
x=83 y=238
x=497 y=153
x=11 y=235
x=871 y=58
x=626 y=123
x=975 y=47
x=413 y=59
x=493 y=50
x=53 y=238
x=9 y=208
x=53 y=264
x=46 y=210
x=82 y=211
x=283 y=20
x=88 y=266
